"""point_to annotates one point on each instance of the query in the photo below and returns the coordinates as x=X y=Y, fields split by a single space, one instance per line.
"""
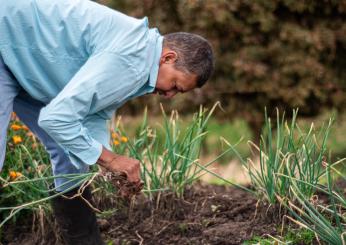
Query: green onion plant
x=286 y=149
x=171 y=162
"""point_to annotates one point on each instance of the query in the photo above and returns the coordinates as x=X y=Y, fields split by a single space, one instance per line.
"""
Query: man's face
x=171 y=81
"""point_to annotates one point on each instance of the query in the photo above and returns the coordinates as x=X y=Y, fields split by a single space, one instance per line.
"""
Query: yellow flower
x=16 y=127
x=14 y=175
x=116 y=142
x=114 y=135
x=17 y=139
x=124 y=139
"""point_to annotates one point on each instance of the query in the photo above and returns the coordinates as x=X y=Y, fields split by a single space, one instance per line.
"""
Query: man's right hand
x=120 y=164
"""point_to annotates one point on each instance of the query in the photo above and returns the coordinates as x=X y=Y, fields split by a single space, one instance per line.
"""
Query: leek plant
x=171 y=162
x=288 y=150
x=293 y=165
x=327 y=221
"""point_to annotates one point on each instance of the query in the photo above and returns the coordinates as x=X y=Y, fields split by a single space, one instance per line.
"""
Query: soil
x=206 y=214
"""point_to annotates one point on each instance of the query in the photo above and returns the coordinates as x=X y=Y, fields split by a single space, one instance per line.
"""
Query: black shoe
x=77 y=221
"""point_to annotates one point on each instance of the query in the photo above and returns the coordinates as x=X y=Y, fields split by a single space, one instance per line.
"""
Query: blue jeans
x=14 y=98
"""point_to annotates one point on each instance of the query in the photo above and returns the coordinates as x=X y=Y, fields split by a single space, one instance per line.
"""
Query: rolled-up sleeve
x=104 y=81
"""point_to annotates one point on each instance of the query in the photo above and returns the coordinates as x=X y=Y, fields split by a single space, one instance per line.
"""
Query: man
x=66 y=66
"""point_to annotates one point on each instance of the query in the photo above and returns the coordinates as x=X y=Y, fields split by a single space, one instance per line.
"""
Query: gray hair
x=195 y=54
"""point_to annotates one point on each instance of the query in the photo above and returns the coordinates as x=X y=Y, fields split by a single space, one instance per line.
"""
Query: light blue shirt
x=83 y=60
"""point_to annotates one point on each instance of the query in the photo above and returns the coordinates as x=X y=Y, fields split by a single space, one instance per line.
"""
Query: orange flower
x=17 y=139
x=24 y=127
x=14 y=175
x=116 y=142
x=114 y=135
x=124 y=139
x=16 y=127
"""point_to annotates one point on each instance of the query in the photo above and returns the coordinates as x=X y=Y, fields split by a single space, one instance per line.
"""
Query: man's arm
x=97 y=126
x=105 y=80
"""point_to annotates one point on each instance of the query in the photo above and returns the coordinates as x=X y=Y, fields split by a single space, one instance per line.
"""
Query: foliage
x=258 y=240
x=19 y=166
x=301 y=236
x=26 y=179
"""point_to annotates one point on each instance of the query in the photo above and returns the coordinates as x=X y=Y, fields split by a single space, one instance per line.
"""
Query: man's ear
x=168 y=56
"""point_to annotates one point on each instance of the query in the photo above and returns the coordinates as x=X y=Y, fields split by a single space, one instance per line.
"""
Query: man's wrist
x=102 y=162
x=106 y=157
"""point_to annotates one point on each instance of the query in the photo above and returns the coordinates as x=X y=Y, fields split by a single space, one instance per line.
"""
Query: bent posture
x=66 y=66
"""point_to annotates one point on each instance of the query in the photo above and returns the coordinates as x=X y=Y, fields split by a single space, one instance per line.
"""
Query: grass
x=292 y=236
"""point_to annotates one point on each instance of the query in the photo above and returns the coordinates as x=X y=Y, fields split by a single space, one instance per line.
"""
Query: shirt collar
x=157 y=41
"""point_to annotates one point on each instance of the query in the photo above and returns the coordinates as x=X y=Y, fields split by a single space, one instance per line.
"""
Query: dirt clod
x=126 y=189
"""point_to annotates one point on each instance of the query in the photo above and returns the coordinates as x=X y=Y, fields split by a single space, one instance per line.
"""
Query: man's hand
x=120 y=164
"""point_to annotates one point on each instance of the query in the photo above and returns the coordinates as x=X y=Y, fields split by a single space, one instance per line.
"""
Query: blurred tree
x=273 y=53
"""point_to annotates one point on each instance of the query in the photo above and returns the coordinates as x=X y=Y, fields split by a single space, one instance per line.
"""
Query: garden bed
x=293 y=174
x=206 y=215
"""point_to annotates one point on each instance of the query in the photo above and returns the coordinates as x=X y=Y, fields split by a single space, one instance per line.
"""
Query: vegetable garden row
x=294 y=186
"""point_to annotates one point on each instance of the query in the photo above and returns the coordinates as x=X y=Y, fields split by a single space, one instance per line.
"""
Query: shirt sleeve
x=104 y=81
